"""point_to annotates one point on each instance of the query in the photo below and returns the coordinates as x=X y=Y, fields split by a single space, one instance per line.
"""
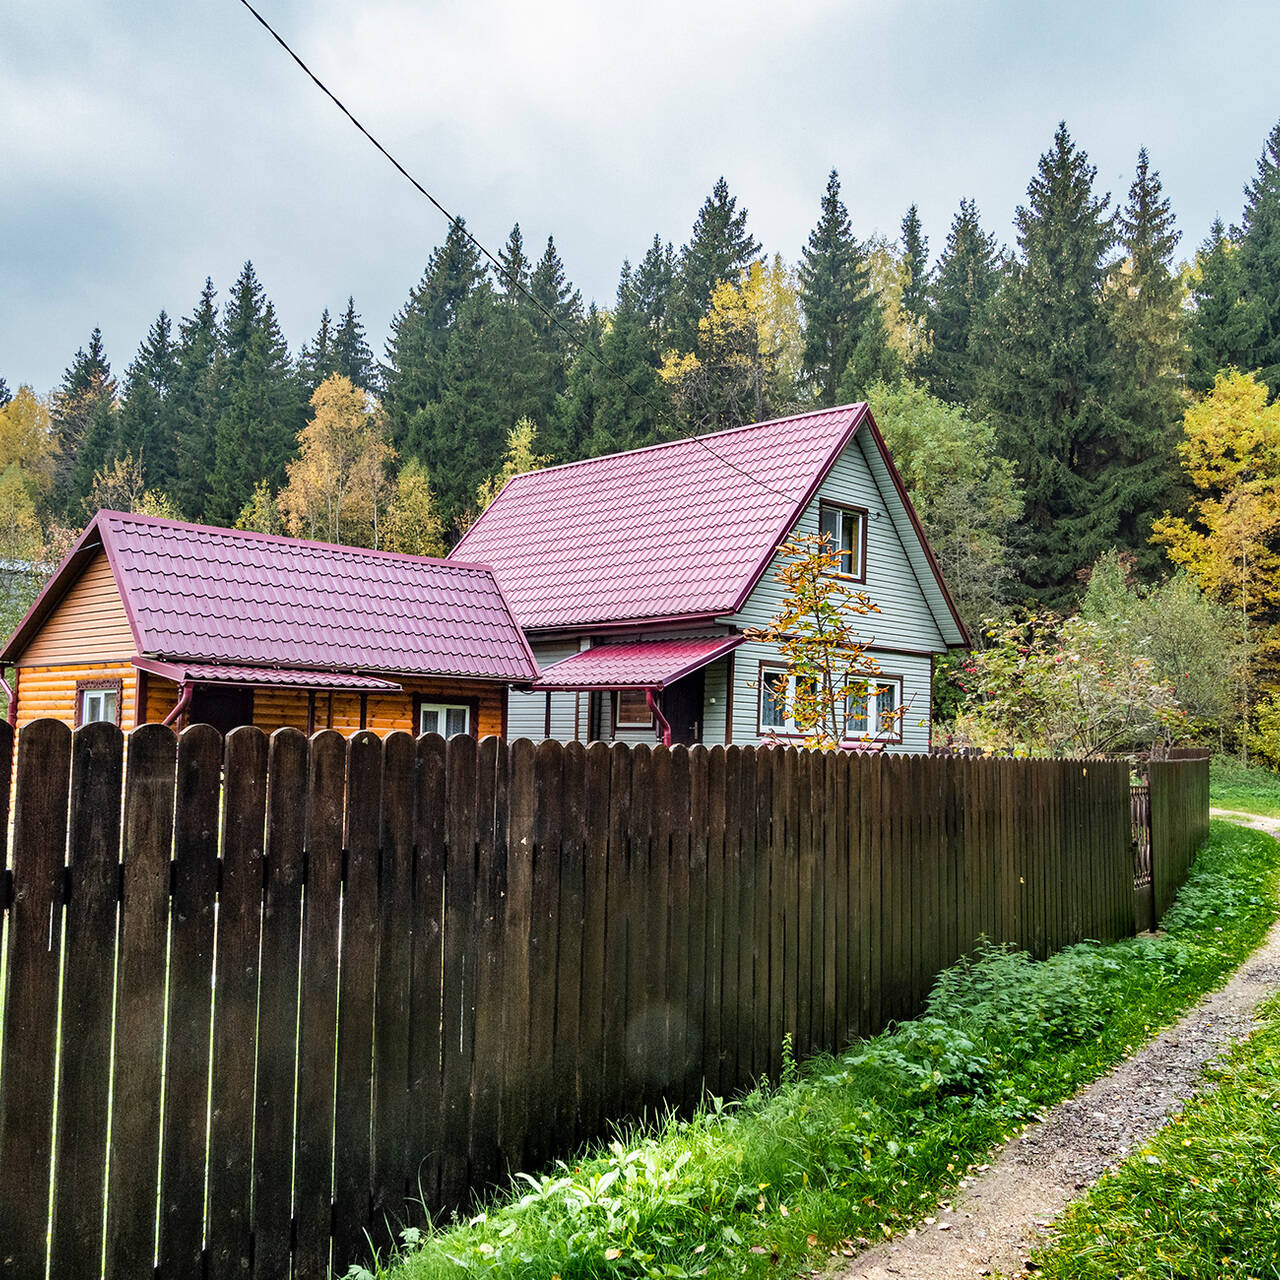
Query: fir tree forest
x=1086 y=418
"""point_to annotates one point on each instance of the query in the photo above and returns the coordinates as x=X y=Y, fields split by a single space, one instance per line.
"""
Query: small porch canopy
x=184 y=673
x=634 y=664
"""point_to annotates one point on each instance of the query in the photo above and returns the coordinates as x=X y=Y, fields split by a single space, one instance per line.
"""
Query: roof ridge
x=253 y=535
x=694 y=439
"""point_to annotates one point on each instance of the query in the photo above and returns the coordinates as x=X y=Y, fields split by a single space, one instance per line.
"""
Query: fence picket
x=89 y=958
x=195 y=887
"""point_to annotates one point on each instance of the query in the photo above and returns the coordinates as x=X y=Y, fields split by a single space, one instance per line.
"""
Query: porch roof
x=265 y=677
x=635 y=664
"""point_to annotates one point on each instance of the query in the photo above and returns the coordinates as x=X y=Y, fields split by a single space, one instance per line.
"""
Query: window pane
x=829 y=526
x=455 y=721
x=429 y=720
x=109 y=705
x=856 y=722
x=886 y=708
x=773 y=700
x=633 y=707
x=850 y=549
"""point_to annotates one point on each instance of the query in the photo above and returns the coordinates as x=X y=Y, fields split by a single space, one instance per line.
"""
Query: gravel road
x=1001 y=1212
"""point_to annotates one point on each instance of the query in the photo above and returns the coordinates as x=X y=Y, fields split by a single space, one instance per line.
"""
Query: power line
x=457 y=224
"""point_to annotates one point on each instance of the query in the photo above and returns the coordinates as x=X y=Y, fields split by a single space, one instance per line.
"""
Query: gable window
x=98 y=700
x=633 y=710
x=778 y=690
x=445 y=718
x=845 y=531
x=877 y=713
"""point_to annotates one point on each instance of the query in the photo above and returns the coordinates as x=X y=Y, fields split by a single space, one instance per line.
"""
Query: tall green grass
x=1202 y=1199
x=1245 y=788
x=849 y=1149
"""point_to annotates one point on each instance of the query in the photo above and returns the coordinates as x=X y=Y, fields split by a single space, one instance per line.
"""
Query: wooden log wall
x=300 y=984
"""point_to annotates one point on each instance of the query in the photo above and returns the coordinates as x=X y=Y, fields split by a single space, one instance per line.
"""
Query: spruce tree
x=83 y=413
x=718 y=249
x=1220 y=325
x=514 y=276
x=352 y=357
x=654 y=284
x=148 y=425
x=967 y=277
x=1151 y=352
x=915 y=260
x=196 y=400
x=263 y=407
x=411 y=376
x=6 y=396
x=1260 y=265
x=1049 y=386
x=557 y=325
x=488 y=377
x=846 y=345
x=316 y=359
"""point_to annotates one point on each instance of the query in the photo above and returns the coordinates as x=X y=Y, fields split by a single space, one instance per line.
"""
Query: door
x=225 y=709
x=682 y=705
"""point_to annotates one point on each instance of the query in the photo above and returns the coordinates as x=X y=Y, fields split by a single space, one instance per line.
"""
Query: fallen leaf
x=612 y=1254
x=811 y=1240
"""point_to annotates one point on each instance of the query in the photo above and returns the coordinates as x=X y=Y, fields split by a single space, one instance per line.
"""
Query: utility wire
x=457 y=224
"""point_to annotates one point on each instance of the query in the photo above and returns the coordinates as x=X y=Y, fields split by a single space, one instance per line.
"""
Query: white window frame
x=95 y=698
x=892 y=733
x=620 y=723
x=443 y=708
x=848 y=511
x=789 y=728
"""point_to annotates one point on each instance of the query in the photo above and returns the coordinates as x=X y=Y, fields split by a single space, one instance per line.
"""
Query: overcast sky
x=146 y=144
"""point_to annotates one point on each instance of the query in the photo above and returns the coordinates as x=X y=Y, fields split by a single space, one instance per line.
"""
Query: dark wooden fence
x=299 y=985
x=1179 y=823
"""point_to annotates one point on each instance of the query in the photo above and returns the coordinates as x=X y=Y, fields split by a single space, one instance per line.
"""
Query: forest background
x=1086 y=419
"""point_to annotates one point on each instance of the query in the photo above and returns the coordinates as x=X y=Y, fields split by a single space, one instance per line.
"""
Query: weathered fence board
x=350 y=978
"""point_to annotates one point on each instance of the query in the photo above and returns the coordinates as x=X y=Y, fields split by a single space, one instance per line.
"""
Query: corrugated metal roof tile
x=227 y=596
x=671 y=530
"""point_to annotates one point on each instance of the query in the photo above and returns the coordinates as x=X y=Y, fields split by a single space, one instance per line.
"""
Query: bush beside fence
x=433 y=962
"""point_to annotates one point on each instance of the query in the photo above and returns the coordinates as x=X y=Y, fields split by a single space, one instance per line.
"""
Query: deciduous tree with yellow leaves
x=1230 y=543
x=338 y=486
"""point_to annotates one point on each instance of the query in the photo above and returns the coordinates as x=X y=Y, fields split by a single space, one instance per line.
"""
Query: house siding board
x=527 y=712
x=905 y=619
x=89 y=623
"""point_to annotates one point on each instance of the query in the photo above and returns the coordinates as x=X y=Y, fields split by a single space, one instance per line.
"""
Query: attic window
x=845 y=530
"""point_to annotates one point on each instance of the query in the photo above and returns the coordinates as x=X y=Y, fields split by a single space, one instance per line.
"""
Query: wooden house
x=636 y=577
x=157 y=620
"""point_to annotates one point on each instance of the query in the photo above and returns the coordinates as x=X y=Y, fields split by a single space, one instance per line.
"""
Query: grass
x=1246 y=788
x=851 y=1149
x=1202 y=1199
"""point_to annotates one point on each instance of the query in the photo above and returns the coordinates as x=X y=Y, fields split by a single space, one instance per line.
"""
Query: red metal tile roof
x=203 y=594
x=219 y=673
x=635 y=664
x=674 y=530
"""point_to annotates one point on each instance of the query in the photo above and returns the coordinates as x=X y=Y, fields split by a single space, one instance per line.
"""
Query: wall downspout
x=662 y=720
x=184 y=700
x=13 y=699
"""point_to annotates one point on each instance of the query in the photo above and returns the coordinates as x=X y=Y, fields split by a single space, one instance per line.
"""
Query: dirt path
x=999 y=1216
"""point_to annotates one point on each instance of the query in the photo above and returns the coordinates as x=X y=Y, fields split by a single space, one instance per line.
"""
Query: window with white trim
x=445 y=718
x=99 y=704
x=845 y=529
x=778 y=689
x=634 y=711
x=877 y=713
